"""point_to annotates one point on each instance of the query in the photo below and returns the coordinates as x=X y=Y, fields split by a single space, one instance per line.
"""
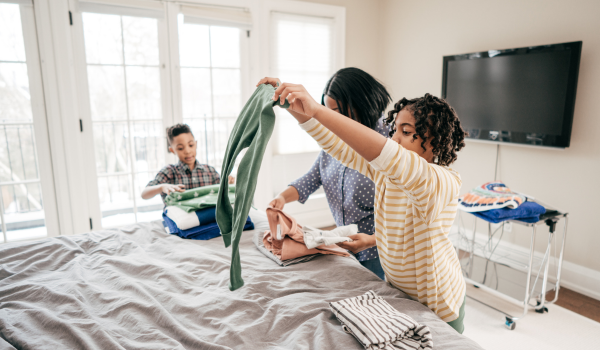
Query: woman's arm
x=290 y=194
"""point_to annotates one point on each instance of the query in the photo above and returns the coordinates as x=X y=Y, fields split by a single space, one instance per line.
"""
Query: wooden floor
x=576 y=302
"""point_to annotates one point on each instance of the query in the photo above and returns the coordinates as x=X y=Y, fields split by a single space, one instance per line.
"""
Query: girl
x=355 y=94
x=416 y=193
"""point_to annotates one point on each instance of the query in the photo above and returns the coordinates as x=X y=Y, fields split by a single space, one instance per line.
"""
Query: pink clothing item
x=291 y=245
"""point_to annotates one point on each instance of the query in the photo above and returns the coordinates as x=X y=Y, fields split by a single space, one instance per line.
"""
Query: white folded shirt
x=181 y=218
x=314 y=237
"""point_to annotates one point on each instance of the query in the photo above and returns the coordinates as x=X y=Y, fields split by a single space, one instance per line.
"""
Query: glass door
x=127 y=109
x=26 y=211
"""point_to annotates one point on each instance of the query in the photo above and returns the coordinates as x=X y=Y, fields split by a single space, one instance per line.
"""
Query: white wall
x=416 y=34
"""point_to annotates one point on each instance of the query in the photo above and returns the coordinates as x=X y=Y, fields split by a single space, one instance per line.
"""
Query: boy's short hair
x=176 y=130
x=435 y=117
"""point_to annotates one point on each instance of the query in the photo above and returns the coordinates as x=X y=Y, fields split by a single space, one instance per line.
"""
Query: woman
x=355 y=94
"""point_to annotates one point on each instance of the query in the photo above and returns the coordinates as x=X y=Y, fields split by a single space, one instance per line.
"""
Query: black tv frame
x=562 y=141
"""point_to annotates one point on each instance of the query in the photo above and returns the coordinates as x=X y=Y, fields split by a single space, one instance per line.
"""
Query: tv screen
x=523 y=96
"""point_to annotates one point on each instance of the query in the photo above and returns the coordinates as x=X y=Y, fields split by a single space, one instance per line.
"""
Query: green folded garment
x=198 y=198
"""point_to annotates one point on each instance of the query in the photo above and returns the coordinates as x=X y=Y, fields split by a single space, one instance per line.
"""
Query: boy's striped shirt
x=415 y=206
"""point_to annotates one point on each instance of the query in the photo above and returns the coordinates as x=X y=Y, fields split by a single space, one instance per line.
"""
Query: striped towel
x=377 y=325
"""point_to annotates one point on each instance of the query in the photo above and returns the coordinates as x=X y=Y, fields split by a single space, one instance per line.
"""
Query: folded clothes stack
x=494 y=202
x=191 y=214
x=285 y=242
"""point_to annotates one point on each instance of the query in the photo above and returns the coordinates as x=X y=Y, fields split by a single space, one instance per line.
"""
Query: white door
x=27 y=199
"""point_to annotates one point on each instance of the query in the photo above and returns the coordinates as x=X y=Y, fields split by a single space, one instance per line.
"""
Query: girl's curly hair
x=436 y=118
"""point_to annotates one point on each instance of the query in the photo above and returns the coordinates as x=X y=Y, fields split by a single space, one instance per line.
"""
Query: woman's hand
x=277 y=202
x=168 y=188
x=231 y=179
x=360 y=242
x=300 y=100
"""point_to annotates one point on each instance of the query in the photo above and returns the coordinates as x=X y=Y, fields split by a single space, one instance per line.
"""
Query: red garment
x=292 y=245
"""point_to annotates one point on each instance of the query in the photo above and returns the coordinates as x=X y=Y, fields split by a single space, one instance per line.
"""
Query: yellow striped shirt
x=415 y=206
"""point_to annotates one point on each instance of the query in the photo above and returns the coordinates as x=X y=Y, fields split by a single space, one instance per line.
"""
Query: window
x=307 y=60
x=23 y=194
x=211 y=83
x=126 y=110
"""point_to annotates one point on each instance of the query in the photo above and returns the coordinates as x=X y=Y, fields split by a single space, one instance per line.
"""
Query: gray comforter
x=140 y=288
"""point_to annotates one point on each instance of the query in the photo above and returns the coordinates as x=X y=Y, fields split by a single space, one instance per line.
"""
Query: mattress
x=138 y=287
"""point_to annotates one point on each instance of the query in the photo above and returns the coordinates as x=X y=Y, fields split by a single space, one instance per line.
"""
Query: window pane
x=141 y=41
x=15 y=101
x=12 y=47
x=195 y=93
x=225 y=47
x=23 y=211
x=223 y=127
x=143 y=93
x=111 y=143
x=103 y=40
x=150 y=145
x=18 y=159
x=107 y=92
x=193 y=45
x=116 y=200
x=227 y=94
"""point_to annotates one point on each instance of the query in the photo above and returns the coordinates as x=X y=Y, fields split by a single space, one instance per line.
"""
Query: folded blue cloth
x=527 y=212
x=207 y=216
x=202 y=232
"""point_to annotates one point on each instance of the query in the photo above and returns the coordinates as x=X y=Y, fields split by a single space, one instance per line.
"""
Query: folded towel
x=314 y=237
x=185 y=220
x=491 y=195
x=202 y=233
x=197 y=198
x=377 y=325
x=527 y=212
x=258 y=242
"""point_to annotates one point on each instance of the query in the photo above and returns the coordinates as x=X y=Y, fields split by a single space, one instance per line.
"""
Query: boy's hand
x=168 y=188
x=300 y=100
x=360 y=242
x=277 y=202
x=231 y=179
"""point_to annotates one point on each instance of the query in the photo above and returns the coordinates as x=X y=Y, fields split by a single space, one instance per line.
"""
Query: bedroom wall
x=414 y=37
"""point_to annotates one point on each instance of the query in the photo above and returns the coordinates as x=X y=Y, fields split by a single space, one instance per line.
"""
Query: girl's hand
x=275 y=82
x=300 y=100
x=231 y=179
x=168 y=188
x=278 y=202
x=360 y=242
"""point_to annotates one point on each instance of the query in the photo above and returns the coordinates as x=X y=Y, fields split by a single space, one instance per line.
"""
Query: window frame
x=39 y=120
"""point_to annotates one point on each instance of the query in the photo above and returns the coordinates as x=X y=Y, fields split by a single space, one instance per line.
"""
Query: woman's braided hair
x=436 y=118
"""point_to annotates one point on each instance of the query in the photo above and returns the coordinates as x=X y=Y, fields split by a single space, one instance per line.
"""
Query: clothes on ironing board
x=527 y=212
x=258 y=242
x=377 y=325
x=314 y=237
x=198 y=198
x=285 y=239
x=202 y=233
x=491 y=195
x=185 y=220
x=252 y=130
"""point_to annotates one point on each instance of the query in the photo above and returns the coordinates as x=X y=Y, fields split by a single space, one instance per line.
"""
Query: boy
x=416 y=194
x=188 y=173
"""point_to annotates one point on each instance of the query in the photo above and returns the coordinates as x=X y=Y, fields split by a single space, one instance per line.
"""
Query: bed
x=138 y=287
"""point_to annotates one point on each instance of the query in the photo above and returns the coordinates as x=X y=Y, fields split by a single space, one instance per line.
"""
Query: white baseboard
x=575 y=277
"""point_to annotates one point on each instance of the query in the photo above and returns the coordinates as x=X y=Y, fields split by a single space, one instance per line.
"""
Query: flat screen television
x=520 y=96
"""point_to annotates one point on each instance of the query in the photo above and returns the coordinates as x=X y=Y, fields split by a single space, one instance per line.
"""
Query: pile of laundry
x=192 y=214
x=288 y=242
x=494 y=202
